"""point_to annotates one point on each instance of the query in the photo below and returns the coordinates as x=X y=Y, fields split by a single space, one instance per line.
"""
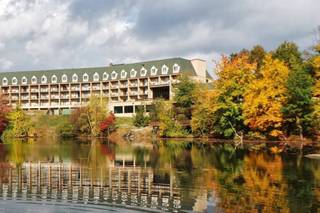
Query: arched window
x=64 y=78
x=54 y=79
x=14 y=81
x=24 y=80
x=143 y=71
x=85 y=77
x=114 y=75
x=176 y=68
x=123 y=74
x=164 y=70
x=133 y=73
x=43 y=79
x=96 y=77
x=74 y=78
x=105 y=76
x=154 y=70
x=33 y=80
x=4 y=81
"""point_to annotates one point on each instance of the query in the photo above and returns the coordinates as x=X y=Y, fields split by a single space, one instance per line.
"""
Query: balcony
x=44 y=90
x=134 y=93
x=96 y=87
x=34 y=97
x=54 y=89
x=24 y=97
x=64 y=96
x=54 y=96
x=44 y=97
x=34 y=90
x=85 y=88
x=14 y=91
x=15 y=98
x=75 y=88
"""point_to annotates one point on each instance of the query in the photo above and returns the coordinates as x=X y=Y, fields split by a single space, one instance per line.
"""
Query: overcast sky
x=48 y=34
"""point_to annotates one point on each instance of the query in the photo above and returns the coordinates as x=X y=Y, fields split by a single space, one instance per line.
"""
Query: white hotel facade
x=126 y=86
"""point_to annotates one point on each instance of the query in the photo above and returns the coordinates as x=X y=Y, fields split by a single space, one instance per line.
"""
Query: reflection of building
x=126 y=86
x=120 y=185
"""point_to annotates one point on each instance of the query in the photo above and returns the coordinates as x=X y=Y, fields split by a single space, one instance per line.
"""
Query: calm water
x=173 y=176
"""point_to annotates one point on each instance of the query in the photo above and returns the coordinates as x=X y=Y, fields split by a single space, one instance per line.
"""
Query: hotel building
x=126 y=86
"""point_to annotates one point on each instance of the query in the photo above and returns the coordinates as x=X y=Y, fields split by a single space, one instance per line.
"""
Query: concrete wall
x=200 y=66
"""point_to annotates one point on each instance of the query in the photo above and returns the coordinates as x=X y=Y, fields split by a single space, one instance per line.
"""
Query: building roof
x=184 y=64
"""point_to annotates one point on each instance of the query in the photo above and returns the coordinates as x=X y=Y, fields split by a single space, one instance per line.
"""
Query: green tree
x=140 y=119
x=184 y=92
x=298 y=108
x=256 y=55
x=96 y=112
x=289 y=53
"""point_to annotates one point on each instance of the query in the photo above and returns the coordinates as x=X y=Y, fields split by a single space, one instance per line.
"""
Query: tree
x=19 y=123
x=108 y=124
x=4 y=111
x=265 y=97
x=140 y=119
x=96 y=113
x=297 y=110
x=87 y=120
x=257 y=55
x=233 y=77
x=316 y=91
x=289 y=53
x=184 y=92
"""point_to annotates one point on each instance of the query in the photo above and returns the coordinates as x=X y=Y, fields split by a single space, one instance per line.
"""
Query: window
x=114 y=75
x=164 y=70
x=154 y=70
x=123 y=74
x=54 y=79
x=64 y=78
x=105 y=76
x=133 y=73
x=96 y=77
x=85 y=77
x=4 y=81
x=24 y=80
x=14 y=81
x=143 y=72
x=75 y=78
x=44 y=79
x=176 y=68
x=33 y=80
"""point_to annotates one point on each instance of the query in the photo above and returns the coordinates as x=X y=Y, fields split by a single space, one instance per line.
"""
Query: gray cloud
x=43 y=34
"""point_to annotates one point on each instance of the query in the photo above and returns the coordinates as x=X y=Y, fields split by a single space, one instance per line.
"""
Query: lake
x=174 y=176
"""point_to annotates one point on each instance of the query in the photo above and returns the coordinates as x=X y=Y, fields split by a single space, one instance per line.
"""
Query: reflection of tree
x=17 y=153
x=302 y=178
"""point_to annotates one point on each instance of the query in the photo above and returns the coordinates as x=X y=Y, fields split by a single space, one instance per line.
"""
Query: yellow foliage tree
x=265 y=97
x=316 y=90
x=219 y=112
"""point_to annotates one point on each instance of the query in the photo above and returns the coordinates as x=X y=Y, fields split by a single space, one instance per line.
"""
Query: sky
x=52 y=34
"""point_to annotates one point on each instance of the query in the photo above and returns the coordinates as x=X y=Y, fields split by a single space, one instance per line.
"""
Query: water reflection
x=164 y=176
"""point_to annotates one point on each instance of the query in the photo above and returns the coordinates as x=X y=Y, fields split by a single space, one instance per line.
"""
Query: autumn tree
x=19 y=123
x=4 y=111
x=265 y=97
x=226 y=105
x=316 y=91
x=108 y=124
x=87 y=120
